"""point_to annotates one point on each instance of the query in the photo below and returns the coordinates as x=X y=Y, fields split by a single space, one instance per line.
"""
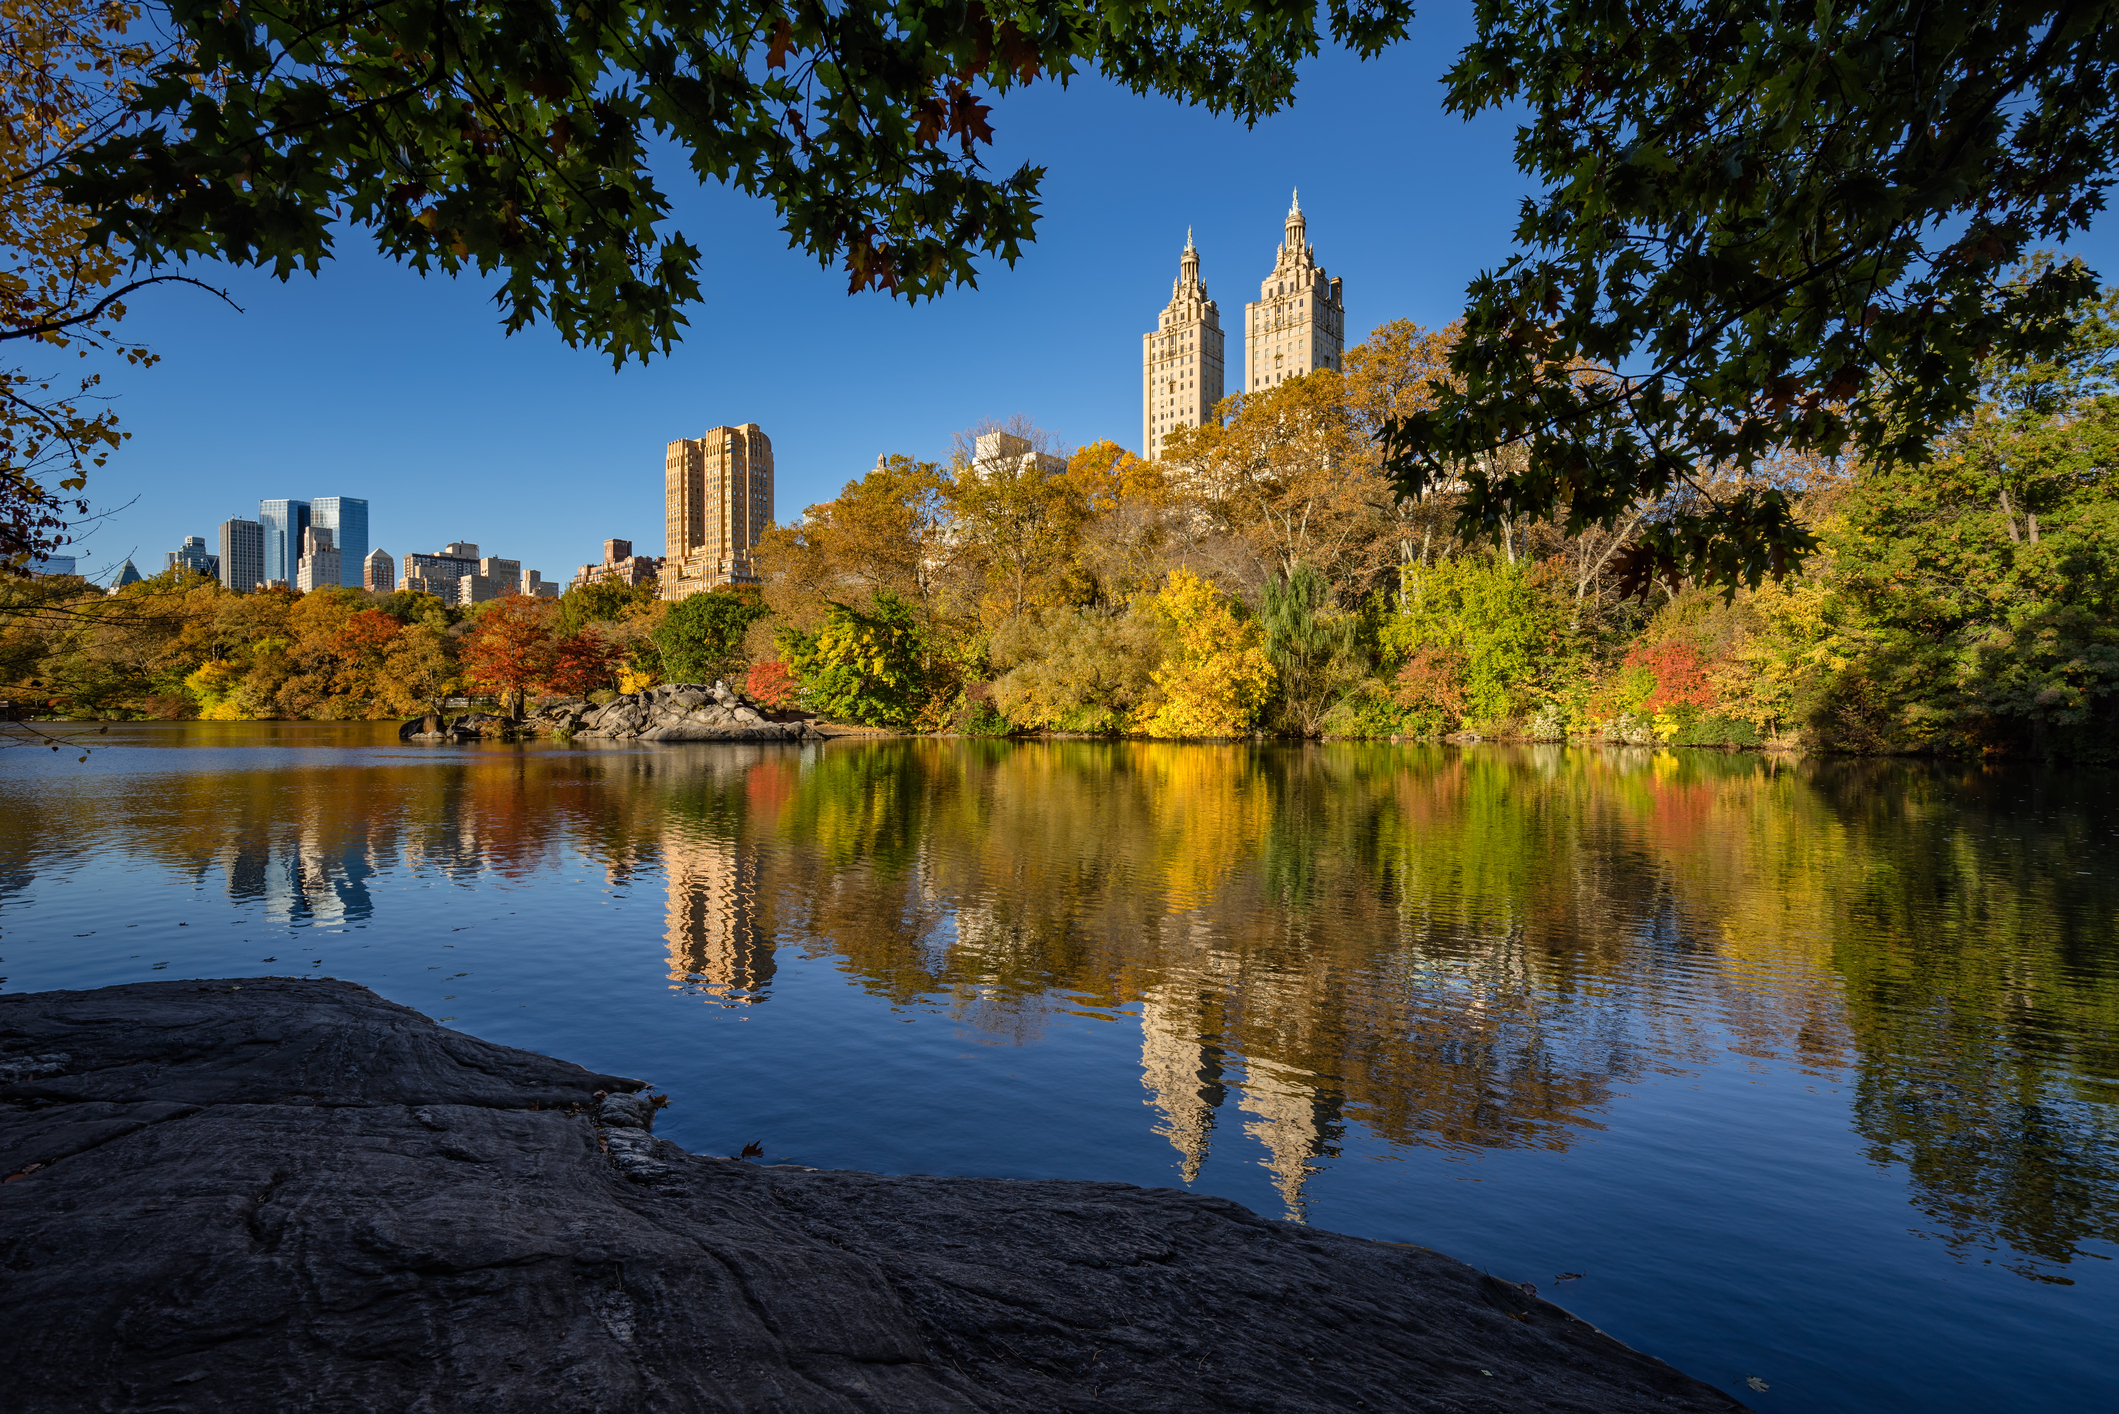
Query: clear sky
x=371 y=381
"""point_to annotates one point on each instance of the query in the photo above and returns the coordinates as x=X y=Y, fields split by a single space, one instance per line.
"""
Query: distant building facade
x=126 y=575
x=52 y=564
x=620 y=564
x=242 y=554
x=1181 y=361
x=320 y=565
x=378 y=574
x=283 y=522
x=1297 y=325
x=193 y=558
x=437 y=573
x=346 y=517
x=1004 y=452
x=717 y=503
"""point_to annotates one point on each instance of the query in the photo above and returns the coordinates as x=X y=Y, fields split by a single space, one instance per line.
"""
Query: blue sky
x=371 y=381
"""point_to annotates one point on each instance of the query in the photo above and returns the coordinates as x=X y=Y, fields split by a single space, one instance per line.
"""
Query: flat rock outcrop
x=686 y=711
x=268 y=1194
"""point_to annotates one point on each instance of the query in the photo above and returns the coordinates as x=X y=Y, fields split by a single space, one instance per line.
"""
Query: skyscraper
x=192 y=556
x=242 y=554
x=717 y=502
x=378 y=573
x=283 y=522
x=1298 y=323
x=320 y=565
x=1181 y=362
x=346 y=517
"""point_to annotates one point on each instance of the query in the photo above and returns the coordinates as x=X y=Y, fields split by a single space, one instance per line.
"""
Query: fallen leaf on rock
x=25 y=1173
x=1756 y=1383
x=1529 y=1290
x=752 y=1151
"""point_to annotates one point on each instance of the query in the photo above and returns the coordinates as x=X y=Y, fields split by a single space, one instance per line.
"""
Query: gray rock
x=267 y=1193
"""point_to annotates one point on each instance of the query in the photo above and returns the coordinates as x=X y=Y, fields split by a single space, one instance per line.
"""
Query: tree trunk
x=2008 y=514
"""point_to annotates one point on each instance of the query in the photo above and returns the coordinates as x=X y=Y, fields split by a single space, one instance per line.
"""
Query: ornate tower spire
x=1296 y=229
x=1181 y=368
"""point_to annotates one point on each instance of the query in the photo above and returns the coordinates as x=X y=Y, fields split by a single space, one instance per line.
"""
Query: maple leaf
x=783 y=40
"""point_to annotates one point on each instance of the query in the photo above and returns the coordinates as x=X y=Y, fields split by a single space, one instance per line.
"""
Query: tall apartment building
x=193 y=557
x=1181 y=362
x=717 y=502
x=320 y=565
x=242 y=554
x=283 y=521
x=378 y=574
x=621 y=564
x=346 y=517
x=1298 y=323
x=1003 y=452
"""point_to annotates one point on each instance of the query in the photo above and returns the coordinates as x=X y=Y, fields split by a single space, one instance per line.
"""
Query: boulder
x=256 y=1194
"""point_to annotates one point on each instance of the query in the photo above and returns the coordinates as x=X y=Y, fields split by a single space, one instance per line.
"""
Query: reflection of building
x=1181 y=1064
x=716 y=946
x=1295 y=1121
x=717 y=502
x=1298 y=323
x=1180 y=363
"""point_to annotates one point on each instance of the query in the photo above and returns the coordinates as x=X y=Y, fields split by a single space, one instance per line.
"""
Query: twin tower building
x=1297 y=325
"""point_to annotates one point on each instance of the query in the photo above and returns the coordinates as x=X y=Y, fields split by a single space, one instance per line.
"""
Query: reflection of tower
x=1181 y=1063
x=1295 y=1122
x=715 y=943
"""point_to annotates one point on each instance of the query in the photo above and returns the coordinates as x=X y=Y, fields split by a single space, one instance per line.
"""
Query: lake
x=1797 y=1071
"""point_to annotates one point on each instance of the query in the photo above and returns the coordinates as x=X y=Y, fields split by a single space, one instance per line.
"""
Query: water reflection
x=1458 y=952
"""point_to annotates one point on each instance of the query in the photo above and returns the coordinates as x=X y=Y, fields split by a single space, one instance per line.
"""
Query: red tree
x=1680 y=674
x=511 y=648
x=771 y=685
x=581 y=663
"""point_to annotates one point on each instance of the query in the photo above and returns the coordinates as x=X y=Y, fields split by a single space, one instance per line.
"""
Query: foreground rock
x=277 y=1194
x=685 y=711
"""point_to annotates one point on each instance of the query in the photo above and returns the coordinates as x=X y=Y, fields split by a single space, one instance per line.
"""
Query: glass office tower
x=284 y=522
x=346 y=517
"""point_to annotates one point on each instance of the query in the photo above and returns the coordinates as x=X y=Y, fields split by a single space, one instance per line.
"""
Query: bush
x=701 y=638
x=1716 y=731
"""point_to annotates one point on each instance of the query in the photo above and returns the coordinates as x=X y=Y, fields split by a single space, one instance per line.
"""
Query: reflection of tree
x=1452 y=950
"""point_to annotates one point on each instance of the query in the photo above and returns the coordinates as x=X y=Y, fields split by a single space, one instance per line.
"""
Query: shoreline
x=263 y=1193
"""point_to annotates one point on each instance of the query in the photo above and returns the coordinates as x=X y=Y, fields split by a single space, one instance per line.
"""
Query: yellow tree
x=66 y=72
x=1289 y=473
x=887 y=531
x=1215 y=677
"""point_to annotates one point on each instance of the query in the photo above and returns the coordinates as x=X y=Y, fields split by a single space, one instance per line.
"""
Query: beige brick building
x=1181 y=362
x=1298 y=323
x=717 y=502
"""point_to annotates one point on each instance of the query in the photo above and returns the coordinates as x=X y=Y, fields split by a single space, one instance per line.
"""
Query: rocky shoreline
x=263 y=1194
x=675 y=712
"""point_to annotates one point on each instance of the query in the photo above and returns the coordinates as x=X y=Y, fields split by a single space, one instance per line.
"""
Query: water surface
x=1808 y=1069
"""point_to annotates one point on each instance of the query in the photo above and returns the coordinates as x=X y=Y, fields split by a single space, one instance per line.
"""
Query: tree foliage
x=1761 y=228
x=701 y=637
x=516 y=139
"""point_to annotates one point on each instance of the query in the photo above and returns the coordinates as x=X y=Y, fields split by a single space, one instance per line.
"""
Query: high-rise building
x=283 y=522
x=621 y=564
x=242 y=554
x=378 y=574
x=320 y=565
x=717 y=502
x=506 y=573
x=1298 y=323
x=52 y=564
x=126 y=575
x=1181 y=362
x=346 y=517
x=193 y=557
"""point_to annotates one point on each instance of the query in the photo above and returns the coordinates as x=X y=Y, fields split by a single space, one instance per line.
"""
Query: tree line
x=1265 y=576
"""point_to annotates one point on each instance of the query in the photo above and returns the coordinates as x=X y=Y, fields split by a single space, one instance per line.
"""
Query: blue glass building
x=346 y=517
x=284 y=522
